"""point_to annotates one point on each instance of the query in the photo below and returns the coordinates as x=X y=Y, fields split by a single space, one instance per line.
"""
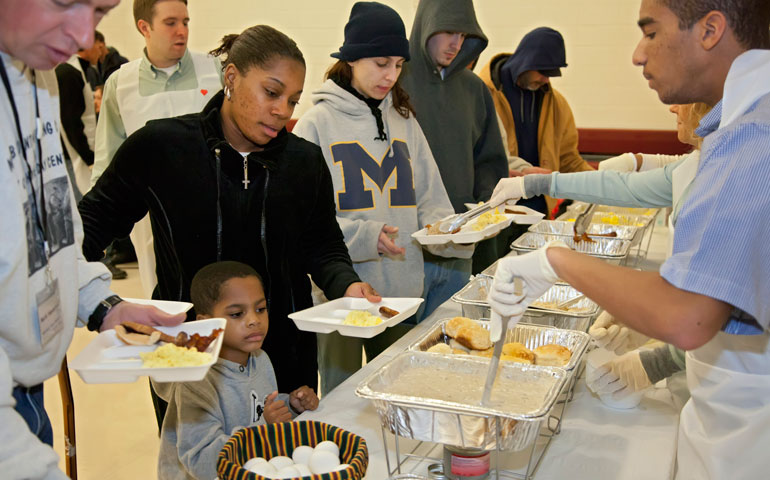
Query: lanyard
x=40 y=212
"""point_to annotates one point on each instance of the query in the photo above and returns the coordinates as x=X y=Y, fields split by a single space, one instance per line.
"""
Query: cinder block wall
x=603 y=87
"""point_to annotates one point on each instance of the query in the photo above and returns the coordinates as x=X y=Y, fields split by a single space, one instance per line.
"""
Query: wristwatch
x=97 y=318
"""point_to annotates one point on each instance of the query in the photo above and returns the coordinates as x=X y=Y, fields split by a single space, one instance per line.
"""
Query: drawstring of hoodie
x=532 y=105
x=382 y=136
x=372 y=103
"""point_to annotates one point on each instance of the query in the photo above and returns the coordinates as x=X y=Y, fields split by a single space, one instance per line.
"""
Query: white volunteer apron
x=724 y=430
x=136 y=111
x=79 y=167
x=681 y=178
x=725 y=426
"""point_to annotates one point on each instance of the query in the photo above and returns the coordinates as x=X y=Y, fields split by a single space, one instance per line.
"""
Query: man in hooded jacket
x=457 y=115
x=536 y=120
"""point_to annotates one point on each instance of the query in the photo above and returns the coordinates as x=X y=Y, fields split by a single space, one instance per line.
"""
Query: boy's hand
x=276 y=411
x=303 y=398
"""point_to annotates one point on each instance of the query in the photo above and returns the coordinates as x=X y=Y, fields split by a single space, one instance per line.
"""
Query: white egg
x=264 y=469
x=303 y=469
x=288 y=472
x=280 y=461
x=253 y=462
x=302 y=454
x=323 y=462
x=328 y=446
x=342 y=467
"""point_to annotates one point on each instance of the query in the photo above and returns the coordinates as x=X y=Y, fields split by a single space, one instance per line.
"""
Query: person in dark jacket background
x=536 y=120
x=230 y=183
x=78 y=116
x=457 y=115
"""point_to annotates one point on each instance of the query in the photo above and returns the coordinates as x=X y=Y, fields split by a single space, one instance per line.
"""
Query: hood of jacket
x=435 y=16
x=345 y=102
x=540 y=49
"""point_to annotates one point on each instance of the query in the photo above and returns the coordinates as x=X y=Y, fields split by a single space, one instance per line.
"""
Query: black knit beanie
x=373 y=30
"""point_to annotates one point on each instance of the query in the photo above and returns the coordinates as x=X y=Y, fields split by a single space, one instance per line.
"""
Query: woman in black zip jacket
x=230 y=183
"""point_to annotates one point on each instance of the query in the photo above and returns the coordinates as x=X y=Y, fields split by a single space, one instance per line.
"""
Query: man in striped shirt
x=711 y=296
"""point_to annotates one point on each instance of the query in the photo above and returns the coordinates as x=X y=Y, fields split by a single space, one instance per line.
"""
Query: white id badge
x=49 y=311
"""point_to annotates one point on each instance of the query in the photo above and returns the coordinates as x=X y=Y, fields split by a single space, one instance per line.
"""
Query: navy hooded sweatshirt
x=541 y=49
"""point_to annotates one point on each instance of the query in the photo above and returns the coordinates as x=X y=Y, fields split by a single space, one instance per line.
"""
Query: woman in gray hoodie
x=387 y=185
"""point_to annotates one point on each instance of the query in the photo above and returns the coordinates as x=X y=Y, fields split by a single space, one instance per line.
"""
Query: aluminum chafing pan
x=490 y=270
x=580 y=207
x=532 y=336
x=557 y=227
x=559 y=293
x=608 y=217
x=557 y=320
x=611 y=249
x=473 y=300
x=473 y=297
x=470 y=426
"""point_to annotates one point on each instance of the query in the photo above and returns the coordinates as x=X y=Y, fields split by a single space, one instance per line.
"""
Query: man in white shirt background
x=167 y=81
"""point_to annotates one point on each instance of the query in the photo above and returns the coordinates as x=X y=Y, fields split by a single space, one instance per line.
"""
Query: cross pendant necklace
x=245 y=181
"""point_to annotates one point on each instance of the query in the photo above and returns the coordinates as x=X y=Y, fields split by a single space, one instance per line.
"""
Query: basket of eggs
x=303 y=449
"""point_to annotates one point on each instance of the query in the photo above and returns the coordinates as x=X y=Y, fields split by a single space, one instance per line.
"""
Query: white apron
x=79 y=167
x=681 y=179
x=724 y=430
x=727 y=419
x=136 y=111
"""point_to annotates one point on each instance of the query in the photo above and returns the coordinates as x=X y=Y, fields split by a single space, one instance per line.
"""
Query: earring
x=227 y=92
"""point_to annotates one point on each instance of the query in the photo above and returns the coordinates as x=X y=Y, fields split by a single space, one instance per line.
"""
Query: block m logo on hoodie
x=356 y=163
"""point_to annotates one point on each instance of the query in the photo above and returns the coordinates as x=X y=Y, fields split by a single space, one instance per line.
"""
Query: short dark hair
x=98 y=37
x=145 y=10
x=207 y=283
x=748 y=19
x=257 y=46
x=342 y=72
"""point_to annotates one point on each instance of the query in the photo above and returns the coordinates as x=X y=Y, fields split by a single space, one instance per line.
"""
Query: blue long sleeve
x=651 y=189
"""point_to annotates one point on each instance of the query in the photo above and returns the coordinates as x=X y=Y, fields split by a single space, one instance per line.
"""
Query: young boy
x=239 y=390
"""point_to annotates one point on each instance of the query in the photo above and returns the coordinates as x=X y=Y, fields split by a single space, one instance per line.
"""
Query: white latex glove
x=620 y=377
x=536 y=275
x=621 y=163
x=612 y=335
x=507 y=189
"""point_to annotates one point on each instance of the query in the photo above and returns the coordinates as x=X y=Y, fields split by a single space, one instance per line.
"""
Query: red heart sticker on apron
x=204 y=91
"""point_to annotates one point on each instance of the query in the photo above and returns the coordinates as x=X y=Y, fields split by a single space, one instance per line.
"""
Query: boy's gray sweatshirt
x=202 y=416
x=394 y=182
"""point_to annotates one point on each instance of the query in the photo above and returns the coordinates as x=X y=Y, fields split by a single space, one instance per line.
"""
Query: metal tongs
x=453 y=222
x=495 y=360
x=583 y=220
x=568 y=303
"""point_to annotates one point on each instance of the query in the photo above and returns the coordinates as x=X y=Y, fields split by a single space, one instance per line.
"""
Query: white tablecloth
x=596 y=442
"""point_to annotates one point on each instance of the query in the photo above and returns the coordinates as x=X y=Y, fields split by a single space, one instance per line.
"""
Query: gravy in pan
x=511 y=395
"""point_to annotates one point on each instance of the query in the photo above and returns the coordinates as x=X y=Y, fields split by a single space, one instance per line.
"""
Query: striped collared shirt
x=723 y=230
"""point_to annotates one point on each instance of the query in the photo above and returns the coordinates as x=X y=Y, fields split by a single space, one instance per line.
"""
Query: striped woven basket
x=274 y=439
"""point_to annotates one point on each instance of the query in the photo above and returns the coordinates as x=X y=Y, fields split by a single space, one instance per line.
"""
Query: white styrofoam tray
x=108 y=360
x=167 y=306
x=328 y=317
x=465 y=235
x=528 y=217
